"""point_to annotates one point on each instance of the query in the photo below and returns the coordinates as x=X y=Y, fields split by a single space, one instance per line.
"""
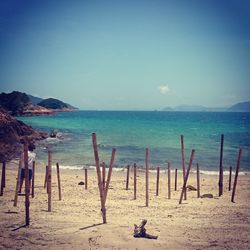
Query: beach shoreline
x=76 y=222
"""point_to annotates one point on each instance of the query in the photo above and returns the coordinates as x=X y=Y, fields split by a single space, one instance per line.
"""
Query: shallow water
x=130 y=132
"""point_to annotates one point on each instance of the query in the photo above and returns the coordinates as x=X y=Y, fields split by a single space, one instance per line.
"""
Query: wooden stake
x=127 y=181
x=183 y=163
x=175 y=180
x=236 y=174
x=3 y=178
x=49 y=179
x=147 y=168
x=186 y=176
x=46 y=177
x=157 y=181
x=198 y=180
x=102 y=198
x=169 y=181
x=230 y=179
x=27 y=185
x=86 y=178
x=4 y=174
x=17 y=182
x=103 y=175
x=134 y=181
x=59 y=181
x=221 y=166
x=33 y=180
x=109 y=174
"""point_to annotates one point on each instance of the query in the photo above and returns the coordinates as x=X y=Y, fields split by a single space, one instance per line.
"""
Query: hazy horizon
x=127 y=55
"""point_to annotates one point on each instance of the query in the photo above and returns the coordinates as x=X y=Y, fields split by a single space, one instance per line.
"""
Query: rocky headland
x=12 y=134
x=21 y=104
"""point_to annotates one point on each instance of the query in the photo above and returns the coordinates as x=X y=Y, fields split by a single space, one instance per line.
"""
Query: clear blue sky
x=127 y=54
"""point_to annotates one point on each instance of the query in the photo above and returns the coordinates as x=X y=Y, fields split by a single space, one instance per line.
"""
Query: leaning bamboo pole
x=49 y=179
x=230 y=179
x=109 y=174
x=175 y=180
x=221 y=166
x=147 y=169
x=46 y=177
x=103 y=174
x=169 y=181
x=33 y=180
x=198 y=180
x=236 y=174
x=157 y=181
x=186 y=176
x=134 y=181
x=127 y=179
x=17 y=182
x=86 y=178
x=59 y=181
x=98 y=171
x=27 y=185
x=3 y=178
x=183 y=163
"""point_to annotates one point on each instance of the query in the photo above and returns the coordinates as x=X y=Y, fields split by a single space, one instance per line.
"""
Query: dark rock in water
x=81 y=183
x=207 y=196
x=12 y=134
x=191 y=188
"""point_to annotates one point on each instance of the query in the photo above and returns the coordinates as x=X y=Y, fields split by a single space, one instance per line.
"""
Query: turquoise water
x=131 y=132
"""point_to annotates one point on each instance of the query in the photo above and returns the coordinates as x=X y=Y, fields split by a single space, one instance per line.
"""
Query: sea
x=131 y=132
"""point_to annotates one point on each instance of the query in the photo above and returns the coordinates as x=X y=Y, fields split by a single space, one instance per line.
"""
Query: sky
x=127 y=55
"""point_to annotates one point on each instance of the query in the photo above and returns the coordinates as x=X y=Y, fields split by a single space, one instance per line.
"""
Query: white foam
x=154 y=171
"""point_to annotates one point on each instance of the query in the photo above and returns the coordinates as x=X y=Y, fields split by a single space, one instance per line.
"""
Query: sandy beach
x=76 y=222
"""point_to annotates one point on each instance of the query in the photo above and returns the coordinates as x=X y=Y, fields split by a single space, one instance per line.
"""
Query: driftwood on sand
x=140 y=231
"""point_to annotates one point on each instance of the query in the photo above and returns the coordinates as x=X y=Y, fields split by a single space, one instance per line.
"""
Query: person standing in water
x=31 y=158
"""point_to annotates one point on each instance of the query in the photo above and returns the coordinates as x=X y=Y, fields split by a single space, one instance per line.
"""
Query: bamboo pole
x=157 y=181
x=127 y=180
x=102 y=198
x=27 y=185
x=230 y=179
x=103 y=174
x=175 y=180
x=186 y=176
x=86 y=178
x=169 y=181
x=236 y=175
x=109 y=174
x=4 y=174
x=46 y=177
x=147 y=168
x=134 y=181
x=49 y=179
x=221 y=166
x=33 y=180
x=198 y=180
x=17 y=182
x=3 y=178
x=183 y=163
x=59 y=181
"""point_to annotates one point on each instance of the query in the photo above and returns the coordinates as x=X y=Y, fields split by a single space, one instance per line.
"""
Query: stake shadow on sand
x=22 y=226
x=93 y=225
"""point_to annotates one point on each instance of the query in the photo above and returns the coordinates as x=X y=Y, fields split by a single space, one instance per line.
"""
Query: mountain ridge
x=238 y=107
x=19 y=103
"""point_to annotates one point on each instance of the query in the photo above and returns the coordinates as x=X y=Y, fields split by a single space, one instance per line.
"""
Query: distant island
x=22 y=104
x=239 y=107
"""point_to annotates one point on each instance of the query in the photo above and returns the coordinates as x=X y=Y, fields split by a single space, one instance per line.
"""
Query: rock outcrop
x=12 y=134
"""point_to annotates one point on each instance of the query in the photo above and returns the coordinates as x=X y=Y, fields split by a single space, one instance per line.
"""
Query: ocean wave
x=153 y=171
